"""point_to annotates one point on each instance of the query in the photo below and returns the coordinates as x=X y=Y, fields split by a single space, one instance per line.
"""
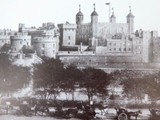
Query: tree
x=72 y=77
x=152 y=85
x=134 y=87
x=12 y=77
x=115 y=80
x=94 y=82
x=48 y=77
x=132 y=82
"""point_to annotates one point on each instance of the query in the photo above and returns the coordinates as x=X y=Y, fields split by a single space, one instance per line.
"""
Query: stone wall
x=156 y=50
x=4 y=39
x=99 y=59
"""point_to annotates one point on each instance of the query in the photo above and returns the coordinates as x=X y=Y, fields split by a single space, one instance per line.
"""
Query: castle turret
x=21 y=27
x=113 y=17
x=94 y=22
x=79 y=17
x=20 y=40
x=130 y=22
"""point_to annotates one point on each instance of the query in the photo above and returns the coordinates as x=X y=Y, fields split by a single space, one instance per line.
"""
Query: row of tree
x=136 y=84
x=51 y=78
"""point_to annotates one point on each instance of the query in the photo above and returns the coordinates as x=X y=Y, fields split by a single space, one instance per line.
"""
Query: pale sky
x=36 y=12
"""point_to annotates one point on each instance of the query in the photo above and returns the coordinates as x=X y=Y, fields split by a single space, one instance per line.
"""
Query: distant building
x=109 y=43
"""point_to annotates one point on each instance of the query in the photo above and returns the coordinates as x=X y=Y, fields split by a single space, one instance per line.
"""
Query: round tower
x=45 y=46
x=94 y=15
x=130 y=22
x=20 y=40
x=79 y=17
x=113 y=17
x=94 y=22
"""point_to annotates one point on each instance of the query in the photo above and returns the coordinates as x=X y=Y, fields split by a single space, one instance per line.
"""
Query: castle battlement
x=67 y=26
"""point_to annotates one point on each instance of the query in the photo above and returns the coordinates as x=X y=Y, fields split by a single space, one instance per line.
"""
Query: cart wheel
x=122 y=116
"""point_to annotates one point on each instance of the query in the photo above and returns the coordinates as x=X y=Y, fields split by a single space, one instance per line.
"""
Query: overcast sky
x=36 y=12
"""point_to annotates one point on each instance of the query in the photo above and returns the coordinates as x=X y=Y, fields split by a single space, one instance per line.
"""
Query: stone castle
x=101 y=45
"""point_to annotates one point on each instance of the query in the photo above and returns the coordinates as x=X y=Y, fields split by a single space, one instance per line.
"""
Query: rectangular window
x=43 y=52
x=43 y=45
x=69 y=37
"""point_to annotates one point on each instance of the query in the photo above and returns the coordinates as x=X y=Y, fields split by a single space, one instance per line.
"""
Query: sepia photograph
x=79 y=60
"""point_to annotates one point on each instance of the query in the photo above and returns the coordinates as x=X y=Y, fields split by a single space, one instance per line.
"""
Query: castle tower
x=130 y=22
x=94 y=22
x=21 y=27
x=20 y=40
x=79 y=17
x=113 y=17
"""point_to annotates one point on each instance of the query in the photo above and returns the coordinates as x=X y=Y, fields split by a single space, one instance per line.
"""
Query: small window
x=20 y=42
x=114 y=49
x=124 y=49
x=43 y=45
x=119 y=49
x=129 y=49
x=69 y=37
x=43 y=52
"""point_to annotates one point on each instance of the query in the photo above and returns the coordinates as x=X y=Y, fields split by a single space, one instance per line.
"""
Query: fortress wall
x=96 y=60
x=111 y=28
x=99 y=62
x=4 y=40
x=156 y=50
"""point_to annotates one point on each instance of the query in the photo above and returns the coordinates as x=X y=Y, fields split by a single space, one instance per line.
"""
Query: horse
x=135 y=114
x=103 y=109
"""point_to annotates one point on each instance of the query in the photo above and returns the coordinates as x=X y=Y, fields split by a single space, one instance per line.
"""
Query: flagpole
x=109 y=10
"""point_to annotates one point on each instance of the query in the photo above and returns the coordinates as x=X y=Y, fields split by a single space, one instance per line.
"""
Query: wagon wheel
x=122 y=116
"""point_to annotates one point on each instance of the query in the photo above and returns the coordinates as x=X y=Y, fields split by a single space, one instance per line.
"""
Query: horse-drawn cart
x=123 y=114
